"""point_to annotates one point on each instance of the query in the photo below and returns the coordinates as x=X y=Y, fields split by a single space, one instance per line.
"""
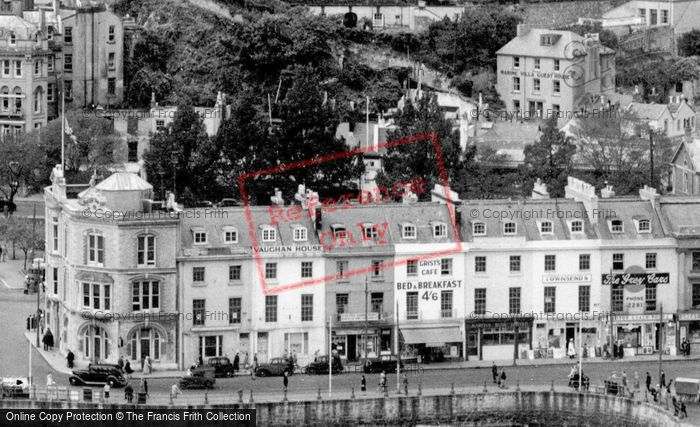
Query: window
x=110 y=33
x=49 y=92
x=411 y=267
x=68 y=89
x=509 y=228
x=556 y=65
x=550 y=299
x=54 y=276
x=160 y=125
x=576 y=226
x=537 y=63
x=535 y=85
x=653 y=14
x=479 y=229
x=408 y=231
x=556 y=86
x=618 y=262
x=110 y=60
x=664 y=16
x=230 y=235
x=54 y=233
x=269 y=234
x=270 y=270
x=616 y=226
x=696 y=295
x=97 y=296
x=584 y=262
x=50 y=63
x=439 y=230
x=514 y=300
x=377 y=302
x=480 y=264
x=6 y=68
x=412 y=305
x=342 y=268
x=546 y=227
x=37 y=68
x=480 y=301
x=68 y=62
x=650 y=292
x=370 y=231
x=200 y=237
x=307 y=269
x=18 y=68
x=651 y=260
x=37 y=100
x=377 y=269
x=695 y=265
x=211 y=346
x=514 y=263
x=13 y=39
x=446 y=304
x=516 y=84
x=198 y=274
x=300 y=234
x=644 y=226
x=618 y=294
x=446 y=266
x=341 y=303
x=145 y=295
x=146 y=251
x=111 y=86
x=516 y=62
x=234 y=310
x=307 y=308
x=339 y=232
x=68 y=34
x=96 y=249
x=270 y=308
x=234 y=273
x=132 y=151
x=550 y=263
x=584 y=298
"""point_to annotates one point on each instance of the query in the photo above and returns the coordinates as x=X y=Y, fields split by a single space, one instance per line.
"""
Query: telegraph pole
x=330 y=356
x=398 y=352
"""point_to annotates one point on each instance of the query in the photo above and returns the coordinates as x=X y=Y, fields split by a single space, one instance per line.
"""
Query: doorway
x=570 y=332
x=352 y=348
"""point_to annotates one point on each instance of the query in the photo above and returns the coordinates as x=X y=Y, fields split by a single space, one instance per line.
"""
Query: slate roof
x=647 y=111
x=529 y=44
x=23 y=29
x=681 y=214
x=123 y=181
x=627 y=209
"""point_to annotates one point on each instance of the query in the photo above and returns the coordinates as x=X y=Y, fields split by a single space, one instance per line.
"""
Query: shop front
x=432 y=344
x=350 y=342
x=641 y=334
x=552 y=336
x=690 y=329
x=498 y=338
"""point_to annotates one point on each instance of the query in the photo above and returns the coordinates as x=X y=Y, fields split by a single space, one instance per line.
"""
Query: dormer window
x=643 y=226
x=510 y=228
x=300 y=234
x=230 y=235
x=269 y=234
x=616 y=226
x=339 y=231
x=13 y=39
x=479 y=229
x=199 y=236
x=576 y=226
x=408 y=231
x=439 y=230
x=370 y=231
x=546 y=227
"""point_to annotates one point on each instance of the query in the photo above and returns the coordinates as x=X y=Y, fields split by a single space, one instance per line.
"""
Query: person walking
x=149 y=364
x=624 y=383
x=127 y=369
x=503 y=379
x=285 y=380
x=47 y=339
x=143 y=363
x=648 y=382
x=245 y=360
x=662 y=381
x=494 y=372
x=363 y=383
x=405 y=383
x=382 y=381
x=70 y=357
x=120 y=362
x=144 y=385
x=129 y=393
x=175 y=391
x=571 y=351
x=236 y=361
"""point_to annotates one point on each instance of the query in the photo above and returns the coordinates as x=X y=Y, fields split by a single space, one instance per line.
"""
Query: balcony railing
x=14 y=113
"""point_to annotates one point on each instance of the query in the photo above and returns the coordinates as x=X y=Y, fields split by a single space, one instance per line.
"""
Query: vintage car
x=384 y=363
x=200 y=378
x=99 y=374
x=15 y=387
x=222 y=366
x=320 y=366
x=276 y=366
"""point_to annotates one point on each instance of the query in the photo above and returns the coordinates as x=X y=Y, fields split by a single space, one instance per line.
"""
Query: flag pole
x=63 y=130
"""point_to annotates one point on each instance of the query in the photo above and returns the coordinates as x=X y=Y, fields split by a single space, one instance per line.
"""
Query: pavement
x=11 y=271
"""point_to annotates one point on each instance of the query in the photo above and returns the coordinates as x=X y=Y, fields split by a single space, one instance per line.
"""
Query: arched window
x=18 y=98
x=145 y=341
x=38 y=96
x=95 y=343
x=5 y=92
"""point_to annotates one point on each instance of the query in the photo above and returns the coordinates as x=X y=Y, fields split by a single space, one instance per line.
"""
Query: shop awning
x=431 y=337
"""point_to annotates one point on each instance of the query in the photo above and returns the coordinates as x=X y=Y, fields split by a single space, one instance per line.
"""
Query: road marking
x=5 y=283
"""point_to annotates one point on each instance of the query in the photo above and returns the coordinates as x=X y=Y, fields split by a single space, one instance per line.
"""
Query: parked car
x=222 y=366
x=202 y=377
x=376 y=365
x=99 y=374
x=276 y=366
x=320 y=366
x=225 y=203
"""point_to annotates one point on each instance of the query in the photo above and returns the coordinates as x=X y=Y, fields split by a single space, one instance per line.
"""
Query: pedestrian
x=144 y=385
x=294 y=358
x=143 y=363
x=316 y=355
x=47 y=339
x=175 y=391
x=49 y=380
x=245 y=360
x=494 y=372
x=120 y=362
x=503 y=379
x=363 y=383
x=571 y=351
x=662 y=381
x=285 y=380
x=252 y=371
x=127 y=369
x=648 y=382
x=70 y=357
x=405 y=383
x=106 y=391
x=128 y=393
x=624 y=383
x=0 y=253
x=149 y=364
x=382 y=381
x=29 y=322
x=236 y=361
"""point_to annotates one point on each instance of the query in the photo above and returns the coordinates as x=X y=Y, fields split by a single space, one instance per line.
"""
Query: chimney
x=607 y=192
x=649 y=193
x=522 y=30
x=443 y=195
x=582 y=192
x=42 y=20
x=539 y=190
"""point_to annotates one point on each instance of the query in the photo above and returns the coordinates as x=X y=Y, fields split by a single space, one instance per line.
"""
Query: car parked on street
x=201 y=377
x=277 y=366
x=222 y=366
x=320 y=366
x=377 y=365
x=99 y=374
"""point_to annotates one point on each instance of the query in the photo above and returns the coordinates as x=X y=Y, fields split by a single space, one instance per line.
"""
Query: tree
x=550 y=158
x=21 y=232
x=689 y=43
x=20 y=165
x=656 y=74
